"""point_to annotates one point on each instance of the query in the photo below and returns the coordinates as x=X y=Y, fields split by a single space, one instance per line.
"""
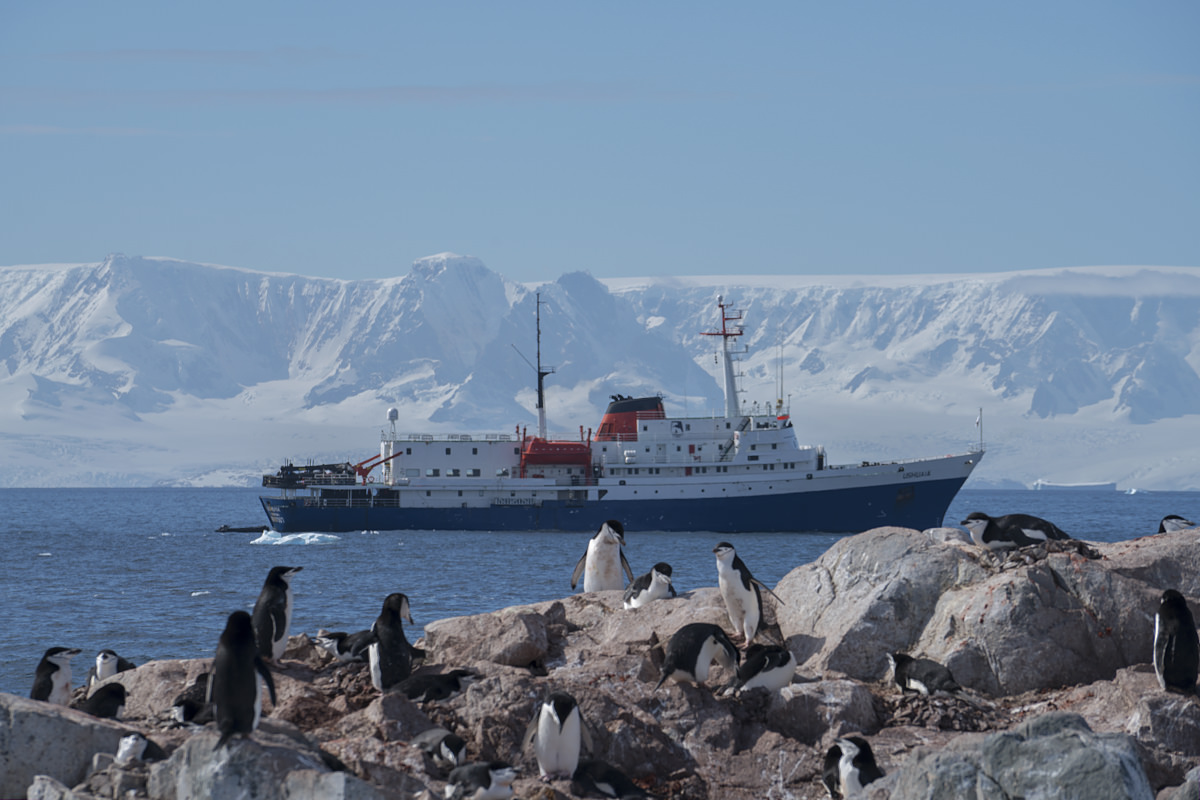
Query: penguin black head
x=397 y=603
x=662 y=567
x=615 y=527
x=1174 y=522
x=282 y=574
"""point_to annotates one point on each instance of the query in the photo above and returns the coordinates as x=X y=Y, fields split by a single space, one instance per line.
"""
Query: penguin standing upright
x=691 y=650
x=52 y=678
x=234 y=689
x=1176 y=649
x=603 y=560
x=652 y=586
x=741 y=591
x=849 y=766
x=273 y=612
x=557 y=733
x=390 y=654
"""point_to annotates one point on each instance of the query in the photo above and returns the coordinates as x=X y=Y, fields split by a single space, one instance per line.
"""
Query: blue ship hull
x=921 y=505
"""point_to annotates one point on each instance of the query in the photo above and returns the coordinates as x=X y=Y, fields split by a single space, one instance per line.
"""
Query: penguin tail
x=223 y=740
x=661 y=681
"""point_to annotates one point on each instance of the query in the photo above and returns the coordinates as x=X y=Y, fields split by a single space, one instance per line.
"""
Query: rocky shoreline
x=1053 y=646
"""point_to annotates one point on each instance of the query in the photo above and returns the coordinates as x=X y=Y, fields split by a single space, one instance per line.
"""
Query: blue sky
x=625 y=139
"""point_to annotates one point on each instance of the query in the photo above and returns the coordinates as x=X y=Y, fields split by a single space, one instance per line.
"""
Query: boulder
x=1052 y=756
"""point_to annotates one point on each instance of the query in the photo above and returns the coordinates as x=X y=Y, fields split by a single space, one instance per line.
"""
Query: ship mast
x=542 y=372
x=728 y=332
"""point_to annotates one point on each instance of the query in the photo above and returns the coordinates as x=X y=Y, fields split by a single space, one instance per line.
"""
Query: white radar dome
x=393 y=414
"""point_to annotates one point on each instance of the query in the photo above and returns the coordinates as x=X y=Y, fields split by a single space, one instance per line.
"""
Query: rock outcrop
x=1052 y=648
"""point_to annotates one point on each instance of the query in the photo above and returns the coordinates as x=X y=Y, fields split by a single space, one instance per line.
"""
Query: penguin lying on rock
x=921 y=675
x=691 y=651
x=1010 y=530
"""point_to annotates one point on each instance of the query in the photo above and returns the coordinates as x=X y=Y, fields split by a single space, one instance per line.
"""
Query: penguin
x=1173 y=522
x=130 y=749
x=108 y=663
x=273 y=612
x=428 y=686
x=770 y=666
x=654 y=585
x=557 y=733
x=445 y=748
x=481 y=780
x=345 y=647
x=191 y=706
x=594 y=778
x=1176 y=648
x=107 y=702
x=234 y=689
x=390 y=654
x=743 y=598
x=601 y=564
x=921 y=675
x=691 y=650
x=52 y=678
x=849 y=766
x=1011 y=530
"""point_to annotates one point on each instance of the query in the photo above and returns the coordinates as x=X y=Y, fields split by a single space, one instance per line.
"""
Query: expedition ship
x=739 y=472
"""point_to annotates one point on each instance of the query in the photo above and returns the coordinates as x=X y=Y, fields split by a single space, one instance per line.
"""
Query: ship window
x=752 y=458
x=516 y=451
x=726 y=426
x=751 y=447
x=428 y=493
x=678 y=449
x=473 y=473
x=460 y=492
x=474 y=451
x=452 y=473
x=687 y=427
x=431 y=473
x=408 y=451
x=447 y=451
x=622 y=483
x=645 y=428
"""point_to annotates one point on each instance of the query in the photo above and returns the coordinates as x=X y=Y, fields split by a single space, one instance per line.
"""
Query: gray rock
x=1052 y=756
x=46 y=788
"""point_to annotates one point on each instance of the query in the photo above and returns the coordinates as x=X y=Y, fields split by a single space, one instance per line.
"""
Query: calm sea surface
x=142 y=571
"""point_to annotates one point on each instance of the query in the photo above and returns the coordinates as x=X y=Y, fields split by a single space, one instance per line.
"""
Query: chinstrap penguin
x=429 y=686
x=481 y=780
x=1176 y=647
x=769 y=666
x=557 y=733
x=1173 y=522
x=922 y=675
x=234 y=689
x=691 y=650
x=595 y=778
x=390 y=654
x=741 y=591
x=273 y=612
x=108 y=663
x=345 y=647
x=448 y=750
x=849 y=766
x=191 y=706
x=1010 y=530
x=654 y=585
x=136 y=747
x=603 y=560
x=52 y=678
x=107 y=702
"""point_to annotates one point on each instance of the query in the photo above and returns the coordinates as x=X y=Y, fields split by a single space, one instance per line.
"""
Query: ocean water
x=143 y=571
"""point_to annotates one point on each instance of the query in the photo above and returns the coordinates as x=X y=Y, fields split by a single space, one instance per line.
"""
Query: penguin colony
x=231 y=695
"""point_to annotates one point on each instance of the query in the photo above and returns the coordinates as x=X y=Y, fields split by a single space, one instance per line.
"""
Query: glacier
x=142 y=371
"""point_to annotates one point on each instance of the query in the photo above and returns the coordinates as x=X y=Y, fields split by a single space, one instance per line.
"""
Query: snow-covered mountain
x=139 y=371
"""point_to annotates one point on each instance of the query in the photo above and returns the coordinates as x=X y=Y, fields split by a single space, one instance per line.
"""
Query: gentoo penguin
x=52 y=679
x=1173 y=522
x=1011 y=530
x=481 y=780
x=921 y=675
x=601 y=564
x=849 y=766
x=691 y=650
x=1176 y=649
x=345 y=646
x=390 y=655
x=654 y=585
x=445 y=748
x=191 y=706
x=428 y=686
x=273 y=612
x=234 y=689
x=743 y=598
x=594 y=778
x=557 y=732
x=770 y=666
x=108 y=701
x=108 y=663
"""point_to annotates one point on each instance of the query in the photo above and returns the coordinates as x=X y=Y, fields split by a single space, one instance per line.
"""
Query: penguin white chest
x=557 y=748
x=602 y=570
x=60 y=681
x=376 y=667
x=281 y=637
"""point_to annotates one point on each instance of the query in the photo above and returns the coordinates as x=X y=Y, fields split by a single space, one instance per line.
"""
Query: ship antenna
x=728 y=331
x=542 y=372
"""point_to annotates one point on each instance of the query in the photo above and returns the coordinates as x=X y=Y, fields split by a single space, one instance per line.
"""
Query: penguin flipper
x=579 y=569
x=261 y=666
x=762 y=585
x=625 y=564
x=585 y=736
x=531 y=729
